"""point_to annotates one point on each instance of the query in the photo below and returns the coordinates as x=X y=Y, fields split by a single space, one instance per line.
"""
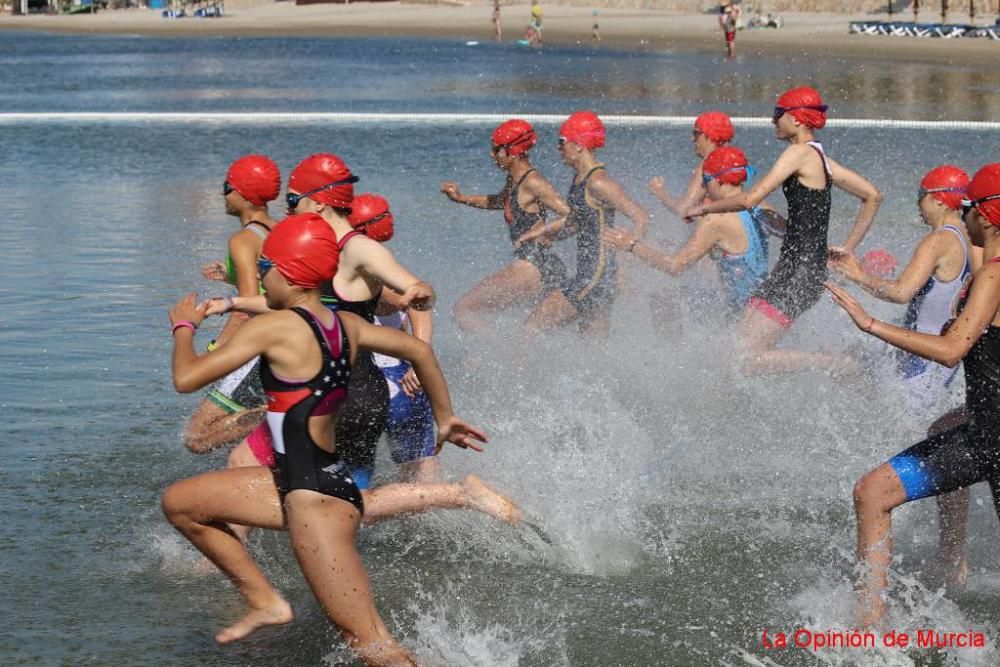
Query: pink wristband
x=184 y=323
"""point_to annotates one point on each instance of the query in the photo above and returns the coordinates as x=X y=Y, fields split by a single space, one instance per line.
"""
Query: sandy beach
x=812 y=33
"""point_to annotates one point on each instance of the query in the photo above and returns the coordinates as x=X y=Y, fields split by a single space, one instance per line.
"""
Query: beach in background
x=816 y=34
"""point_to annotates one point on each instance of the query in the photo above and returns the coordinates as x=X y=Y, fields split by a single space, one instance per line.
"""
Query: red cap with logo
x=805 y=105
x=516 y=136
x=726 y=164
x=984 y=192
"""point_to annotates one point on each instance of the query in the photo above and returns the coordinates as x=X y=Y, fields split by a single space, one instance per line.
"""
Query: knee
x=175 y=506
x=871 y=495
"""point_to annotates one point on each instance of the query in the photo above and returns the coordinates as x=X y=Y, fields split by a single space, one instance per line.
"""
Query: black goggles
x=781 y=111
x=227 y=189
x=292 y=200
x=969 y=204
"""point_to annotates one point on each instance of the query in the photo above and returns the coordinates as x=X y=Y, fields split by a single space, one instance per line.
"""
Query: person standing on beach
x=535 y=24
x=497 y=27
x=807 y=176
x=729 y=15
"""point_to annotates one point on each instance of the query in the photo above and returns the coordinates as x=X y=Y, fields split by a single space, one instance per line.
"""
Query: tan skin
x=880 y=491
x=520 y=281
x=555 y=310
x=211 y=426
x=759 y=333
x=322 y=528
x=695 y=192
x=719 y=231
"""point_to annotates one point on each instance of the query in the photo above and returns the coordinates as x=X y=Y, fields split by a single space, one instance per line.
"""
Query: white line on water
x=307 y=118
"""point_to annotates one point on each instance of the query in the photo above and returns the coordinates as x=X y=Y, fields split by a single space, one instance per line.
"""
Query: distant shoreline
x=809 y=34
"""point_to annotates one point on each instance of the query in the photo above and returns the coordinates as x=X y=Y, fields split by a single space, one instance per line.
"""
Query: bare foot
x=488 y=501
x=278 y=613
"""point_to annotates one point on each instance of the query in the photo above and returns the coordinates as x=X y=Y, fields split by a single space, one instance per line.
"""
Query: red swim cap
x=516 y=135
x=986 y=183
x=370 y=214
x=947 y=184
x=879 y=263
x=726 y=164
x=256 y=178
x=304 y=249
x=805 y=105
x=716 y=126
x=585 y=129
x=327 y=179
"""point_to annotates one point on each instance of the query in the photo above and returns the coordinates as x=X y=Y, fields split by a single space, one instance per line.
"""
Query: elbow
x=184 y=385
x=876 y=198
x=951 y=360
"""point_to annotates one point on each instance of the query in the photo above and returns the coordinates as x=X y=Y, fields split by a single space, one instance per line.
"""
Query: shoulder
x=243 y=239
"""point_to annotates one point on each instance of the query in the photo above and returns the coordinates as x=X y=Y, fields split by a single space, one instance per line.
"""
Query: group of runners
x=327 y=345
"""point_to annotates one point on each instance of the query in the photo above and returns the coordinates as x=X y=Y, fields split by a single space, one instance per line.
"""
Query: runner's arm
x=611 y=193
x=787 y=165
x=950 y=347
x=450 y=189
x=870 y=196
x=901 y=290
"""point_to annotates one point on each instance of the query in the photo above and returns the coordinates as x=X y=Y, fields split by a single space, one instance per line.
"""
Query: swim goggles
x=372 y=221
x=708 y=178
x=227 y=189
x=781 y=111
x=525 y=136
x=292 y=199
x=263 y=266
x=923 y=192
x=562 y=142
x=969 y=204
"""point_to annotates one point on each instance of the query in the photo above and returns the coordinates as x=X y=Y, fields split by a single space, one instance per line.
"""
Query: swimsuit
x=290 y=403
x=594 y=286
x=926 y=381
x=969 y=453
x=364 y=416
x=519 y=222
x=410 y=429
x=741 y=274
x=796 y=282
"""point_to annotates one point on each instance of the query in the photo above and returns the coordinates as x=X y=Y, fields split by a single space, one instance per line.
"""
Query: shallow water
x=684 y=508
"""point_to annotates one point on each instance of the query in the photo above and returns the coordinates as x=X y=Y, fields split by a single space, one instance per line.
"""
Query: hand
x=846 y=265
x=215 y=306
x=214 y=271
x=185 y=309
x=657 y=186
x=410 y=383
x=459 y=433
x=418 y=296
x=617 y=238
x=692 y=212
x=450 y=188
x=526 y=237
x=842 y=298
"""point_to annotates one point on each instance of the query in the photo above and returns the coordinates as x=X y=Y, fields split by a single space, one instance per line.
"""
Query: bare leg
x=875 y=496
x=323 y=531
x=200 y=507
x=554 y=311
x=951 y=565
x=425 y=470
x=241 y=457
x=391 y=500
x=760 y=334
x=516 y=283
x=211 y=426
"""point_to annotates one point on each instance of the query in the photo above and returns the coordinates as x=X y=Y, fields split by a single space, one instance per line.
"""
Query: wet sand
x=813 y=34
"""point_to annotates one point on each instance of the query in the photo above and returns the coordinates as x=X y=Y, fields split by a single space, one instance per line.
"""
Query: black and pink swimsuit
x=291 y=403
